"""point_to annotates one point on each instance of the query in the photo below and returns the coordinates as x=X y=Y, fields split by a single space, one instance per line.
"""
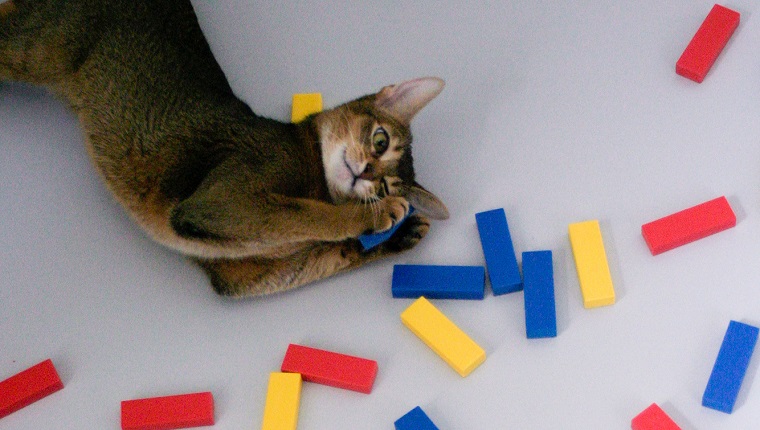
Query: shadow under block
x=305 y=105
x=169 y=412
x=591 y=263
x=688 y=225
x=416 y=419
x=730 y=367
x=710 y=39
x=653 y=418
x=499 y=251
x=538 y=283
x=282 y=403
x=443 y=336
x=28 y=386
x=330 y=368
x=438 y=282
x=370 y=241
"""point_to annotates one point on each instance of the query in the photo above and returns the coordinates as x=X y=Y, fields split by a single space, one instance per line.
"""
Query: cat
x=261 y=205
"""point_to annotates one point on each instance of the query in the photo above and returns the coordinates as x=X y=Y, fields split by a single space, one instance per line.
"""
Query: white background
x=557 y=111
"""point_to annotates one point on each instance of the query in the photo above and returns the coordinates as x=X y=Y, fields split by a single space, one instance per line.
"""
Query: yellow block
x=305 y=105
x=591 y=263
x=283 y=398
x=443 y=336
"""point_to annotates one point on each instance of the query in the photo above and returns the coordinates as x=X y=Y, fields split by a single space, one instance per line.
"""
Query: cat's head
x=366 y=146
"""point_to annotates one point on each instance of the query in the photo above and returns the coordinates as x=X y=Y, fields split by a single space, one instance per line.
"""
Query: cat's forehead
x=361 y=117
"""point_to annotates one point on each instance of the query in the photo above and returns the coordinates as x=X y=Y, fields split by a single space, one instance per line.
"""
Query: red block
x=653 y=418
x=688 y=225
x=170 y=412
x=331 y=368
x=28 y=386
x=707 y=43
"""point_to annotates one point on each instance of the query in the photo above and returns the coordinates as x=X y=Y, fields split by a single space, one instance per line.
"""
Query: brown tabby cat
x=261 y=205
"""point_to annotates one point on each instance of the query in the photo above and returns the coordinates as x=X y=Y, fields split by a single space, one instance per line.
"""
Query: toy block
x=591 y=264
x=653 y=418
x=499 y=252
x=438 y=282
x=416 y=419
x=305 y=105
x=283 y=399
x=688 y=225
x=710 y=39
x=540 y=312
x=370 y=241
x=443 y=336
x=28 y=386
x=330 y=368
x=730 y=367
x=169 y=412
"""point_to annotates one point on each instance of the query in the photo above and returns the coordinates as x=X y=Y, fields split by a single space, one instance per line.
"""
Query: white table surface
x=556 y=111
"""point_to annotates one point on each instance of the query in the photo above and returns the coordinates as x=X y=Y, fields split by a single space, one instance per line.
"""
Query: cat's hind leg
x=260 y=276
x=254 y=276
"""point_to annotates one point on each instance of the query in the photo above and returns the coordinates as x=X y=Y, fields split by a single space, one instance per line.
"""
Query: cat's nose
x=368 y=173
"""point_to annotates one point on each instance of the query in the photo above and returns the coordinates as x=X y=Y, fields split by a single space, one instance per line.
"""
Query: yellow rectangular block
x=443 y=336
x=305 y=105
x=591 y=264
x=283 y=398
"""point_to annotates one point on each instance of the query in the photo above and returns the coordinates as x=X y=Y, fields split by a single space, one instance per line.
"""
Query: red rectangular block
x=28 y=386
x=653 y=418
x=688 y=225
x=707 y=43
x=331 y=368
x=167 y=413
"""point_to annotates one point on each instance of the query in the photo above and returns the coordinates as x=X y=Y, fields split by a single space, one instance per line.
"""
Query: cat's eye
x=380 y=140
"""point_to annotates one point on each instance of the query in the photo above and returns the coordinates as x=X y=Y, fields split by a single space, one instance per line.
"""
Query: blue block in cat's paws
x=370 y=241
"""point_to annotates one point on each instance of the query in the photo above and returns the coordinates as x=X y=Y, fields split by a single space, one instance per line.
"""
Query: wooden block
x=653 y=418
x=330 y=368
x=591 y=263
x=169 y=412
x=443 y=336
x=688 y=225
x=710 y=39
x=499 y=252
x=438 y=282
x=282 y=403
x=28 y=386
x=540 y=311
x=730 y=366
x=305 y=105
x=416 y=419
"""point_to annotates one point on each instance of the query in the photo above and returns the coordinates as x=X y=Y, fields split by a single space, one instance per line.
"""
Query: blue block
x=499 y=252
x=438 y=282
x=730 y=367
x=540 y=312
x=416 y=419
x=370 y=241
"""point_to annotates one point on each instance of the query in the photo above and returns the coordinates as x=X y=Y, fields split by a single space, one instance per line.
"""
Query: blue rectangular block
x=499 y=252
x=730 y=367
x=438 y=282
x=416 y=419
x=370 y=241
x=540 y=312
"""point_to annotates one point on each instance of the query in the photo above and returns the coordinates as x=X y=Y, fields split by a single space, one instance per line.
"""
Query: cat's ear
x=404 y=100
x=425 y=202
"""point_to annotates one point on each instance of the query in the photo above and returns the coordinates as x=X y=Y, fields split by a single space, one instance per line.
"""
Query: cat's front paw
x=389 y=212
x=409 y=234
